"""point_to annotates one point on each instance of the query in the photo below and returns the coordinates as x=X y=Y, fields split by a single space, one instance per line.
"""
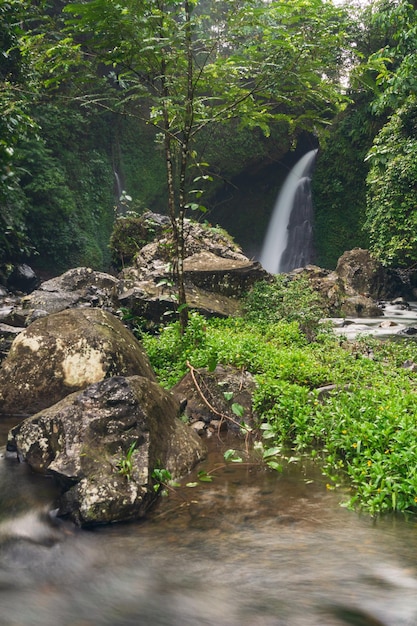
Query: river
x=251 y=548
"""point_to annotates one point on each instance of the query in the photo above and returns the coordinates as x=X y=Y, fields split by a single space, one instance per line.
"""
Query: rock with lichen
x=66 y=352
x=102 y=445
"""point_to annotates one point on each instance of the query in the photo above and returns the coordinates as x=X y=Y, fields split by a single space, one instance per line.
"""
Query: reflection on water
x=252 y=548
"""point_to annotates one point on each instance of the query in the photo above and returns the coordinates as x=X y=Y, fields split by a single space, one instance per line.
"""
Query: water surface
x=252 y=548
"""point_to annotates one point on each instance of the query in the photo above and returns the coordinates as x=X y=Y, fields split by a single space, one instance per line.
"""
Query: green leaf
x=204 y=477
x=275 y=466
x=233 y=456
x=238 y=409
x=271 y=452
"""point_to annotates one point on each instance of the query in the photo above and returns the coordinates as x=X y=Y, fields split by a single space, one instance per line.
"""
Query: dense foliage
x=68 y=181
x=392 y=189
x=15 y=123
x=391 y=73
x=339 y=185
x=362 y=432
x=273 y=70
x=375 y=211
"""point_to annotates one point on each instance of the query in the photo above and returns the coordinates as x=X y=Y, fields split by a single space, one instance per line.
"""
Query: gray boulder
x=216 y=274
x=103 y=444
x=357 y=284
x=65 y=352
x=78 y=287
x=360 y=274
x=360 y=306
x=228 y=277
x=22 y=278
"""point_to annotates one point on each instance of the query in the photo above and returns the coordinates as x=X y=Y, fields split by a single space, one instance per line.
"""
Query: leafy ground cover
x=363 y=431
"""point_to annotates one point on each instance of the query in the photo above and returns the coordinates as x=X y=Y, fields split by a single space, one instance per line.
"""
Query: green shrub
x=362 y=432
x=391 y=201
x=285 y=298
x=130 y=233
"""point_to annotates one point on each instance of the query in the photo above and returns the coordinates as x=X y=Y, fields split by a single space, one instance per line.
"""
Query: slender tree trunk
x=185 y=146
x=177 y=223
x=177 y=214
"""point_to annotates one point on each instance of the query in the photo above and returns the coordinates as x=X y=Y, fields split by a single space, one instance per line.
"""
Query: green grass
x=364 y=433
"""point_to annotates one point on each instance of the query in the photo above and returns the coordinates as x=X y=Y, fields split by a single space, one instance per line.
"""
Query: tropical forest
x=189 y=109
x=143 y=144
x=186 y=108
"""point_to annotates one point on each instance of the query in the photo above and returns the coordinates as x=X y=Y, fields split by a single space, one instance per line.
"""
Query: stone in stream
x=65 y=352
x=103 y=444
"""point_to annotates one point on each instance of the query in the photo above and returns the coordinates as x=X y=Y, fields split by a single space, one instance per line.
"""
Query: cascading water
x=288 y=242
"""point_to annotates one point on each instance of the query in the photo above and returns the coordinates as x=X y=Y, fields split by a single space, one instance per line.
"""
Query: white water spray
x=276 y=241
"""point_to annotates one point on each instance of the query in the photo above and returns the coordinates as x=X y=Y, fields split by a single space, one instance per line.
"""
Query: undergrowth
x=363 y=429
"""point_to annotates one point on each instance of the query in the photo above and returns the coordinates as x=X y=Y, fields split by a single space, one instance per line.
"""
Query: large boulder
x=228 y=277
x=354 y=288
x=23 y=278
x=65 y=352
x=78 y=287
x=360 y=274
x=360 y=306
x=216 y=274
x=103 y=444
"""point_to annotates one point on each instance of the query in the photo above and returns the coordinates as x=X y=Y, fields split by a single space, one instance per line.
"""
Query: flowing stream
x=398 y=320
x=252 y=548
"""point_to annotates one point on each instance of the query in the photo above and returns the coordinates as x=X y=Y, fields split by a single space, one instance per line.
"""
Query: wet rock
x=361 y=274
x=23 y=278
x=216 y=274
x=103 y=444
x=78 y=287
x=410 y=331
x=360 y=306
x=65 y=352
x=401 y=304
x=388 y=324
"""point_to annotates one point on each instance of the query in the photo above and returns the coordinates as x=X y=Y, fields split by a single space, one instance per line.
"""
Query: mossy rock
x=66 y=352
x=131 y=232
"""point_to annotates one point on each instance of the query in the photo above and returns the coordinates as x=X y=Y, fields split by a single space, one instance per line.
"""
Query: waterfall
x=288 y=242
x=119 y=186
